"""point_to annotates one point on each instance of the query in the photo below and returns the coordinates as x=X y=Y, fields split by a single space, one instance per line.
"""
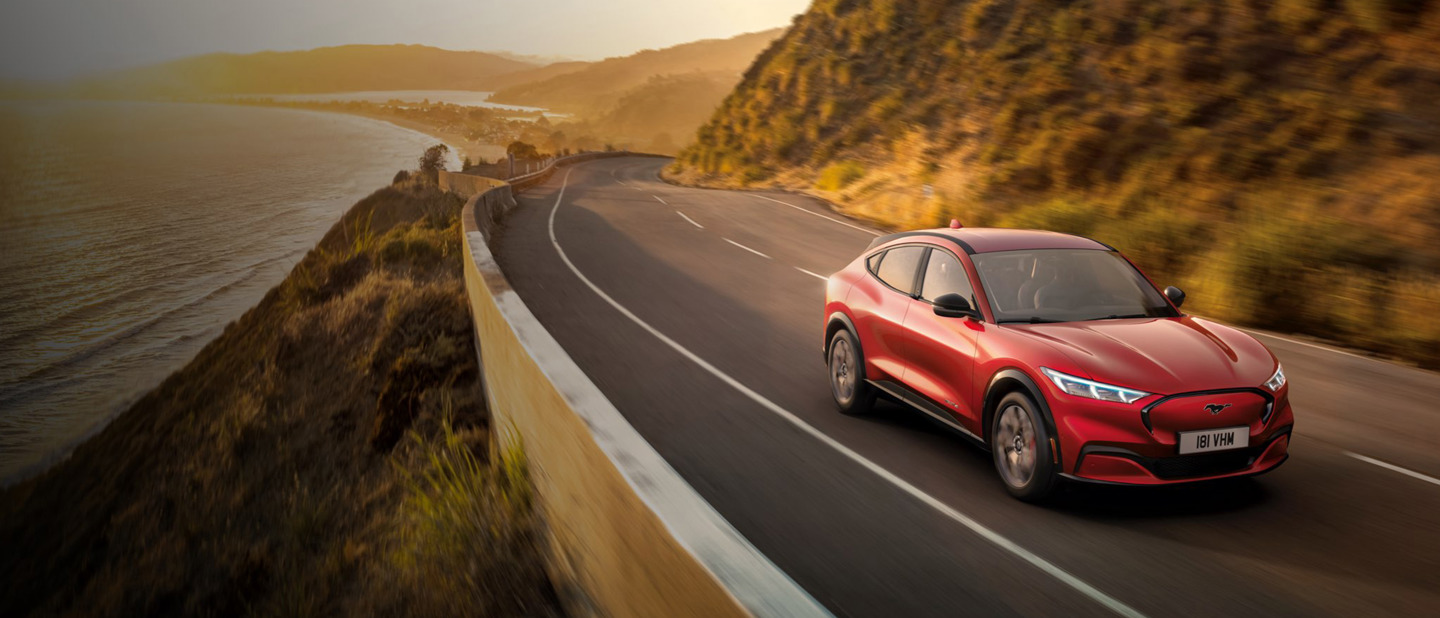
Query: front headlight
x=1080 y=387
x=1276 y=381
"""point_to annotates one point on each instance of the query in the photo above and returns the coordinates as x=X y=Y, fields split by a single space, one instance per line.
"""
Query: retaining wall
x=629 y=536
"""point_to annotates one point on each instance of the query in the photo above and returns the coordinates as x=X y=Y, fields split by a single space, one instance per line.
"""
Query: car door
x=879 y=310
x=940 y=352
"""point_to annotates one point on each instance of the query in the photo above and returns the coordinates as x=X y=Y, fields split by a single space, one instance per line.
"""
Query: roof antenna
x=955 y=224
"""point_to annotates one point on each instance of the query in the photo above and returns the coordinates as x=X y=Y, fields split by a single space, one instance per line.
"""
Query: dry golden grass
x=327 y=455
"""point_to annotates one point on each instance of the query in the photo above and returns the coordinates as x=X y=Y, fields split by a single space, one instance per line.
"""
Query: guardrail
x=629 y=536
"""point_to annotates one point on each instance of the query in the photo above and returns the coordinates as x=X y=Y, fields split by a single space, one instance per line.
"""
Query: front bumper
x=1115 y=465
x=1107 y=443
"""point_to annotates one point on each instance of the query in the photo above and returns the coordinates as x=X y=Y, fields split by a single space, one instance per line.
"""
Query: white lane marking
x=979 y=529
x=617 y=178
x=660 y=200
x=692 y=221
x=811 y=212
x=1307 y=344
x=1395 y=468
x=815 y=275
x=746 y=248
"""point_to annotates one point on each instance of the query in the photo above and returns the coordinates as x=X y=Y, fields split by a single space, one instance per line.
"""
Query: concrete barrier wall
x=630 y=537
x=465 y=184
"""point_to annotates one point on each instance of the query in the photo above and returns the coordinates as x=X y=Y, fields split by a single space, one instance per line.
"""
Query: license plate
x=1222 y=439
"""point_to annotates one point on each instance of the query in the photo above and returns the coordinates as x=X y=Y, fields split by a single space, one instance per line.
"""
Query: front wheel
x=1021 y=447
x=853 y=395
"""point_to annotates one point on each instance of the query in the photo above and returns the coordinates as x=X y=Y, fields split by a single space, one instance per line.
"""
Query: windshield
x=1066 y=285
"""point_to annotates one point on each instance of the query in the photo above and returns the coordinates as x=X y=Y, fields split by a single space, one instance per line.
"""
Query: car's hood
x=1160 y=355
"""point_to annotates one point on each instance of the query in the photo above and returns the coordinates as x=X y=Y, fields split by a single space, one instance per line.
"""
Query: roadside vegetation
x=1278 y=160
x=327 y=455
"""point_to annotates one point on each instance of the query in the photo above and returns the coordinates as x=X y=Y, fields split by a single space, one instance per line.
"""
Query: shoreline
x=42 y=460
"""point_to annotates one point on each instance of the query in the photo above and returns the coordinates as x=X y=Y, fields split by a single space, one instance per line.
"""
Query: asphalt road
x=715 y=360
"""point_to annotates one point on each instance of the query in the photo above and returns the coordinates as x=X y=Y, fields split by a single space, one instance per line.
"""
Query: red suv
x=1058 y=355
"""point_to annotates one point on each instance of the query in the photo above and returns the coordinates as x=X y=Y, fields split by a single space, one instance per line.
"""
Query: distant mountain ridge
x=326 y=69
x=598 y=86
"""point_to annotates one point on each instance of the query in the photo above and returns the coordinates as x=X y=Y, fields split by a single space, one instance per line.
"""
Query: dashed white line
x=1395 y=468
x=746 y=248
x=811 y=212
x=660 y=200
x=815 y=275
x=692 y=221
x=1079 y=585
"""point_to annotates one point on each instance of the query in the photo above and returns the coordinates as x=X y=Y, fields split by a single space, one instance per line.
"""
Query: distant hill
x=537 y=74
x=1279 y=159
x=327 y=69
x=595 y=89
x=662 y=114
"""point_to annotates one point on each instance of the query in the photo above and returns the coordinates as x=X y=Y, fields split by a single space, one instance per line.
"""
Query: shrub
x=1060 y=215
x=837 y=176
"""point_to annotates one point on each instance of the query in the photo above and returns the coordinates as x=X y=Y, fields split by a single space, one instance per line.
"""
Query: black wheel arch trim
x=1032 y=389
x=846 y=323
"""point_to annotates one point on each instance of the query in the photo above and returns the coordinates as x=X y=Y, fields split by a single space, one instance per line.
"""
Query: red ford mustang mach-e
x=1058 y=355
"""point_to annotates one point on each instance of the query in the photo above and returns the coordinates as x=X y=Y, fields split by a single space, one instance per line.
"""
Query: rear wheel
x=1021 y=447
x=853 y=395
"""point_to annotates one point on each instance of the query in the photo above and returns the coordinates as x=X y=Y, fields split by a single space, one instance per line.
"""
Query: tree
x=433 y=161
x=522 y=150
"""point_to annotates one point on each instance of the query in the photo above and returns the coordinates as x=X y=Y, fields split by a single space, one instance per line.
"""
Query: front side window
x=944 y=274
x=897 y=268
x=1066 y=285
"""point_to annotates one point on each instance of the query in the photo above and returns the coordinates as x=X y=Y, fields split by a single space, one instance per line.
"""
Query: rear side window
x=897 y=268
x=944 y=274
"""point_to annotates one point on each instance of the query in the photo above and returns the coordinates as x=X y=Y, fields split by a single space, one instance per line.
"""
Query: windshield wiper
x=1123 y=317
x=1032 y=320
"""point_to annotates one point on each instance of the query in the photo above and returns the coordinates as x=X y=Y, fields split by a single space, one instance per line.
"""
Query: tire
x=1021 y=448
x=853 y=395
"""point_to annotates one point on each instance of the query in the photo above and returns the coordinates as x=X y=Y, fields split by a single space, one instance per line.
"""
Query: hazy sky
x=47 y=39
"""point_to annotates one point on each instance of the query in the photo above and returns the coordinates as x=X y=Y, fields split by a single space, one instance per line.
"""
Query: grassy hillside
x=652 y=100
x=596 y=88
x=327 y=69
x=662 y=114
x=537 y=74
x=326 y=455
x=1279 y=160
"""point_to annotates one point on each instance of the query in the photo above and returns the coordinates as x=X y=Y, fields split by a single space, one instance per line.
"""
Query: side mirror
x=955 y=306
x=1176 y=295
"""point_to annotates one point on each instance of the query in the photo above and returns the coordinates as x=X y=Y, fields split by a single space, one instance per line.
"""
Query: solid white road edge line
x=692 y=221
x=811 y=212
x=1394 y=468
x=746 y=248
x=815 y=275
x=979 y=529
x=746 y=573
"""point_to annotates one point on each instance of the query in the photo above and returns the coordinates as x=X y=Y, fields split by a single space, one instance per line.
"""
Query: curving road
x=697 y=313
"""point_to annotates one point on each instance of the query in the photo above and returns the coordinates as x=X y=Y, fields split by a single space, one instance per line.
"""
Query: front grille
x=1208 y=464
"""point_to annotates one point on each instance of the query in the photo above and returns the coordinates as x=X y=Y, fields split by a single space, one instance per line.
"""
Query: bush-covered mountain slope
x=1281 y=159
